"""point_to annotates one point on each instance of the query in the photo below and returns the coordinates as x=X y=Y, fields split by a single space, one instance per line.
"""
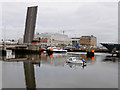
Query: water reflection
x=89 y=60
x=28 y=63
x=54 y=59
x=29 y=70
x=75 y=65
x=50 y=68
x=84 y=65
x=29 y=75
x=111 y=59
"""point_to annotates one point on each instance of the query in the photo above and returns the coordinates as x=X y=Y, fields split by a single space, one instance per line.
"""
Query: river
x=43 y=71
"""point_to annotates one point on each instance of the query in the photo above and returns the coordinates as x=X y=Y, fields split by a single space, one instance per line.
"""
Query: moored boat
x=57 y=50
x=73 y=60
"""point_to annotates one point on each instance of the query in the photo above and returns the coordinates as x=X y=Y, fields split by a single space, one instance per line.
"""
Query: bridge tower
x=30 y=24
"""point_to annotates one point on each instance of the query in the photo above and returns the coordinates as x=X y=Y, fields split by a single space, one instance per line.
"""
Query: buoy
x=41 y=48
x=93 y=51
x=51 y=49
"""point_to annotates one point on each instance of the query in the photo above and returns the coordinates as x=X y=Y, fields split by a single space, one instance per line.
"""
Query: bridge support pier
x=4 y=47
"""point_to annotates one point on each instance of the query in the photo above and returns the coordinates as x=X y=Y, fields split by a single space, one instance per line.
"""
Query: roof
x=89 y=36
x=75 y=38
x=109 y=43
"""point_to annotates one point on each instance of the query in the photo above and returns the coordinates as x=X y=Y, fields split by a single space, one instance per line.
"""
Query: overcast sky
x=75 y=18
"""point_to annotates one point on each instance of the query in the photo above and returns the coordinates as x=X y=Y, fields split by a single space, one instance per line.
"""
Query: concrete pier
x=20 y=48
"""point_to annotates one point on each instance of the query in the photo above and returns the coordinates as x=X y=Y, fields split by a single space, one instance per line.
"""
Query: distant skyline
x=76 y=19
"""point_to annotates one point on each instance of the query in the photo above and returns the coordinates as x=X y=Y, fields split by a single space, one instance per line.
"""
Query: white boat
x=73 y=60
x=57 y=50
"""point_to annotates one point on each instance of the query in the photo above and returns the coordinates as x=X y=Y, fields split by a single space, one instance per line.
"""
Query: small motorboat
x=73 y=60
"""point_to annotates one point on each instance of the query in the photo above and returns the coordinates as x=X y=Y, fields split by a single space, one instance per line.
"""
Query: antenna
x=63 y=31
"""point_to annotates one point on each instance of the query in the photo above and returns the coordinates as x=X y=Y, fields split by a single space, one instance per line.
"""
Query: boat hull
x=74 y=62
x=59 y=51
x=111 y=46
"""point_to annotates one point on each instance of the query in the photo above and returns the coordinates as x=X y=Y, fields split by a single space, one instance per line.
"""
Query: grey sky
x=75 y=18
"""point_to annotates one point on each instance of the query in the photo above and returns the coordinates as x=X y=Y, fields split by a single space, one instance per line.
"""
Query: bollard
x=49 y=52
x=90 y=53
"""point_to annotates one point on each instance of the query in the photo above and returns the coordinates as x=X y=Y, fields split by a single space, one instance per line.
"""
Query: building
x=40 y=41
x=54 y=39
x=75 y=42
x=35 y=41
x=88 y=41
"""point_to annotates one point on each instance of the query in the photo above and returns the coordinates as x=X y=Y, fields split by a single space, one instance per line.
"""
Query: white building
x=55 y=39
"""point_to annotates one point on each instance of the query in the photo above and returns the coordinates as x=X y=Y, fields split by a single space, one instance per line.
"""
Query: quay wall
x=20 y=49
x=84 y=50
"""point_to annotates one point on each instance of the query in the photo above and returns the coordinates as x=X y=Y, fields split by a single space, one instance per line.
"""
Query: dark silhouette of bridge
x=28 y=37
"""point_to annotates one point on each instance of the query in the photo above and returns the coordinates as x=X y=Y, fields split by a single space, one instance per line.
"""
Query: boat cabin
x=72 y=58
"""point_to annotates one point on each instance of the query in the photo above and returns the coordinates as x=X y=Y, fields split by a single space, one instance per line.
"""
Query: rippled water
x=42 y=71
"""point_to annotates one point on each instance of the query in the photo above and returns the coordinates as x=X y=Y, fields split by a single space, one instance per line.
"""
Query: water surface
x=42 y=71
